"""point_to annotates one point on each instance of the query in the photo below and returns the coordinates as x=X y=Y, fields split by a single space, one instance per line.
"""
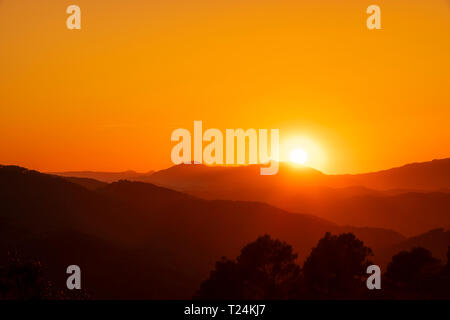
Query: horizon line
x=226 y=166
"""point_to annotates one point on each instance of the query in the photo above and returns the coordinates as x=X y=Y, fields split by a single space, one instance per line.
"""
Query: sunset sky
x=107 y=97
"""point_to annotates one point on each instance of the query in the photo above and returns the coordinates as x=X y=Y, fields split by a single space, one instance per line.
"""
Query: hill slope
x=153 y=242
x=103 y=176
x=347 y=199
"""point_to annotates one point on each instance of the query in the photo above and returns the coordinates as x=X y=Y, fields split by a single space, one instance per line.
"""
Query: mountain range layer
x=138 y=240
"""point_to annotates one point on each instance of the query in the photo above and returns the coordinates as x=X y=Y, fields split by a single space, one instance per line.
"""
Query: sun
x=303 y=150
x=299 y=156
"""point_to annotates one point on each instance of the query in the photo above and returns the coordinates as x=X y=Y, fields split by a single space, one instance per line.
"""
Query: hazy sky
x=108 y=96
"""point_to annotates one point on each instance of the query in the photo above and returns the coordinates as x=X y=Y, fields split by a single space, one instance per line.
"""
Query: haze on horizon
x=107 y=97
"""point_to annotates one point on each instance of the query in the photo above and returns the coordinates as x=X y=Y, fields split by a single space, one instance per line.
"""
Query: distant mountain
x=431 y=176
x=410 y=199
x=103 y=176
x=90 y=184
x=437 y=241
x=410 y=213
x=426 y=176
x=137 y=240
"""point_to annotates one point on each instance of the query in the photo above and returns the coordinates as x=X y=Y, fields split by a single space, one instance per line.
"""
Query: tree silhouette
x=265 y=269
x=22 y=280
x=414 y=274
x=336 y=268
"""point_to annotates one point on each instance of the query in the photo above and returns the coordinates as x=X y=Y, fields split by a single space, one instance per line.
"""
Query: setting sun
x=299 y=156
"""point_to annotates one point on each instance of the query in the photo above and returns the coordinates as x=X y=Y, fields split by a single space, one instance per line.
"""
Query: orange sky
x=107 y=97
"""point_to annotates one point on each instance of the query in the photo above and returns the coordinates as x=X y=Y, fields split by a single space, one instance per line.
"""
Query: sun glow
x=303 y=150
x=298 y=156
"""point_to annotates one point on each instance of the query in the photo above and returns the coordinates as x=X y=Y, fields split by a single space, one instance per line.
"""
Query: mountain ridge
x=130 y=228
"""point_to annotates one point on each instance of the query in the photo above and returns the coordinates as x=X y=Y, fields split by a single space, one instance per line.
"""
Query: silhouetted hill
x=410 y=213
x=246 y=216
x=437 y=241
x=345 y=199
x=428 y=176
x=103 y=176
x=88 y=183
x=137 y=240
